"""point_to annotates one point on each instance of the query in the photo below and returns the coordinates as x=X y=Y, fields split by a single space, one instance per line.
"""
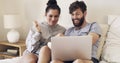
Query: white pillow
x=114 y=30
x=111 y=52
x=104 y=28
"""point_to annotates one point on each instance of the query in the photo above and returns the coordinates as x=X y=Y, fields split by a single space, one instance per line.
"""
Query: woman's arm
x=34 y=35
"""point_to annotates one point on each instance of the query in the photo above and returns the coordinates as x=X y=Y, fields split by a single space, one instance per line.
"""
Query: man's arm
x=95 y=37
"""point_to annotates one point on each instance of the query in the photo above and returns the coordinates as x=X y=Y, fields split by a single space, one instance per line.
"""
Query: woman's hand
x=59 y=34
x=37 y=26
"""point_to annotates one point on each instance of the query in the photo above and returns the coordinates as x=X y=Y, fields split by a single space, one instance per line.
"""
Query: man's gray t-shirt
x=90 y=27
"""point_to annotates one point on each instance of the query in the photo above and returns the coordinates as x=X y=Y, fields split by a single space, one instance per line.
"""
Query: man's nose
x=75 y=16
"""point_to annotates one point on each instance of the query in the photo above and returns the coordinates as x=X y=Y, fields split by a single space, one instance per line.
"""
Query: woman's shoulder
x=60 y=27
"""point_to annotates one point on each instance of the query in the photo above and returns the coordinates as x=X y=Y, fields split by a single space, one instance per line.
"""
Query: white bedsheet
x=13 y=60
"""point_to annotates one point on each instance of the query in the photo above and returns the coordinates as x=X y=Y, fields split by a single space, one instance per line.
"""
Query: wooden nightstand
x=19 y=46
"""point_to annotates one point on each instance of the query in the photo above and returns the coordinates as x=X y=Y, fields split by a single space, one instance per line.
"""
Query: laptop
x=68 y=48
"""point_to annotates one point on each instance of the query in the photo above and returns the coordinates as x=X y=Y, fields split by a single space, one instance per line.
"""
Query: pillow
x=104 y=28
x=111 y=52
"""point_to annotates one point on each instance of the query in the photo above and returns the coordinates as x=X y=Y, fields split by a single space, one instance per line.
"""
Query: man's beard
x=80 y=22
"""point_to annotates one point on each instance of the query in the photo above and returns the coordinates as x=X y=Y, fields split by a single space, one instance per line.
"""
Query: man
x=78 y=11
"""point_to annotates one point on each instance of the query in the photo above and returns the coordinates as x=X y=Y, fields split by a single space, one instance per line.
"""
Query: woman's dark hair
x=52 y=4
x=76 y=5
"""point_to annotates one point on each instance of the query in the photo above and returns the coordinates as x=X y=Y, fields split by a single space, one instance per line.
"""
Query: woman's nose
x=53 y=18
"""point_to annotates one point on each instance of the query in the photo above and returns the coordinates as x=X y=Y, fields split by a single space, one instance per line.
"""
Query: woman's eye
x=56 y=16
x=77 y=14
x=50 y=16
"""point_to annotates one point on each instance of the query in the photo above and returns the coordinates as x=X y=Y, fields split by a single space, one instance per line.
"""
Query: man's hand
x=95 y=37
x=37 y=26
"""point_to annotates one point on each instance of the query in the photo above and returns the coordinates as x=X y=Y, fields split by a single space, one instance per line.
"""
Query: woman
x=41 y=33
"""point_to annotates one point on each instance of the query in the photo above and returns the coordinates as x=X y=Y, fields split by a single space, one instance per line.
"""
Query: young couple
x=39 y=35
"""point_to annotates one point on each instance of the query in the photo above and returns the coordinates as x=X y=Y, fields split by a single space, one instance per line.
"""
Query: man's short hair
x=76 y=5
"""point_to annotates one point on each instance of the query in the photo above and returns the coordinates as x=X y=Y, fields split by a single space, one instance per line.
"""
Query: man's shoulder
x=71 y=28
x=93 y=23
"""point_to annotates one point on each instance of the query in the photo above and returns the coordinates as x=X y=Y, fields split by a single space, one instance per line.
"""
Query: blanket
x=12 y=60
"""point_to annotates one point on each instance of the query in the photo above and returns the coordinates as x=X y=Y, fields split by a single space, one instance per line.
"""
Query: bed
x=104 y=28
x=13 y=60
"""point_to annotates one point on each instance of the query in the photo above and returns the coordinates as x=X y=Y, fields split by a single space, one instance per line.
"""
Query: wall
x=12 y=7
x=1 y=25
x=31 y=10
x=99 y=9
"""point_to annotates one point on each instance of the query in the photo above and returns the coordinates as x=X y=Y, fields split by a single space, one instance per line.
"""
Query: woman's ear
x=85 y=13
x=45 y=14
